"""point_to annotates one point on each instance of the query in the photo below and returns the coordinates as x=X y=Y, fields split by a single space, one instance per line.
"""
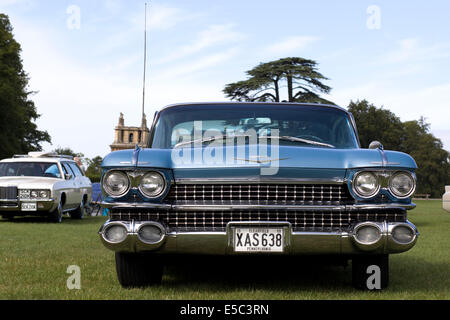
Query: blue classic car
x=257 y=179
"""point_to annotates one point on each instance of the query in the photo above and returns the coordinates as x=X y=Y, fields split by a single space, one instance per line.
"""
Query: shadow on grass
x=222 y=274
x=66 y=220
x=287 y=275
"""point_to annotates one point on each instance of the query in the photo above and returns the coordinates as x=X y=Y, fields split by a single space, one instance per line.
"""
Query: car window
x=75 y=169
x=29 y=169
x=67 y=169
x=318 y=124
x=52 y=171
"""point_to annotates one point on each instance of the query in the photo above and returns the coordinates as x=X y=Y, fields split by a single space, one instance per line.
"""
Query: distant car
x=43 y=184
x=317 y=192
x=446 y=199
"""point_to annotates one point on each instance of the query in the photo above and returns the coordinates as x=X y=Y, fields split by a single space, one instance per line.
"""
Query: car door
x=70 y=187
x=80 y=182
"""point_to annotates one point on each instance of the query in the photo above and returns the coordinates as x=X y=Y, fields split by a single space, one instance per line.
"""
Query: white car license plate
x=29 y=206
x=258 y=239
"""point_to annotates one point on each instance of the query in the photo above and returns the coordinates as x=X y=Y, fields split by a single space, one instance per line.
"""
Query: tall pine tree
x=18 y=132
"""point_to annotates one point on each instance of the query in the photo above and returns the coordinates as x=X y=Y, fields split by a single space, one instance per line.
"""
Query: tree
x=94 y=170
x=19 y=134
x=411 y=137
x=68 y=152
x=300 y=76
x=376 y=124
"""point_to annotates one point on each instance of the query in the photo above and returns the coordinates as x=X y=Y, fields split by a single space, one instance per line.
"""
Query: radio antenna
x=145 y=61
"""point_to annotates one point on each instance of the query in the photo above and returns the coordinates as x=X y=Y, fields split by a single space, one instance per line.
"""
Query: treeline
x=412 y=137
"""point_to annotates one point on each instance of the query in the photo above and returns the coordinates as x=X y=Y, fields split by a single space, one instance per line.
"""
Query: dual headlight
x=33 y=194
x=367 y=184
x=117 y=184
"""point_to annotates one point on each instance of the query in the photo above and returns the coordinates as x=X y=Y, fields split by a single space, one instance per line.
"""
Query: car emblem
x=260 y=159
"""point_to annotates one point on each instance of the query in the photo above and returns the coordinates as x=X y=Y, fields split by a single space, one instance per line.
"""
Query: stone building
x=128 y=137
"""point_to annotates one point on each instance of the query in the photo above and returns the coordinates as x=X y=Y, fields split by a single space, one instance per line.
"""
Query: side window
x=52 y=171
x=75 y=169
x=67 y=169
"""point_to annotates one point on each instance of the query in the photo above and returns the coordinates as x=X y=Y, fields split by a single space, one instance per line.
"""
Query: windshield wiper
x=307 y=141
x=209 y=139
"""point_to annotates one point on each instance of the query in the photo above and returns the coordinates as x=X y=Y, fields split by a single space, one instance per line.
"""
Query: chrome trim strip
x=207 y=207
x=145 y=205
x=220 y=207
x=256 y=180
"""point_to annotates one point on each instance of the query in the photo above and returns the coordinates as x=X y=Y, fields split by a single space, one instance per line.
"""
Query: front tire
x=80 y=212
x=57 y=214
x=370 y=272
x=138 y=270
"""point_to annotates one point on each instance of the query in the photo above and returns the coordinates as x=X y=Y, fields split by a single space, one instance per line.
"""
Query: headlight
x=366 y=184
x=152 y=184
x=402 y=184
x=116 y=183
x=44 y=194
x=34 y=194
x=24 y=194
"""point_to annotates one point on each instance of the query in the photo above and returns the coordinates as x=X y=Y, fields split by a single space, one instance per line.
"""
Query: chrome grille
x=301 y=220
x=300 y=194
x=8 y=193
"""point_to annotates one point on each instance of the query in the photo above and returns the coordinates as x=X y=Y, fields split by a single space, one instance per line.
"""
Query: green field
x=35 y=255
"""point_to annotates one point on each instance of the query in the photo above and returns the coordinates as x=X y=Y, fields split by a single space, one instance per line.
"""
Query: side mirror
x=376 y=145
x=68 y=176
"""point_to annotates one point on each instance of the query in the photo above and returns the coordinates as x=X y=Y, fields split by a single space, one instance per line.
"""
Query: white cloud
x=213 y=35
x=160 y=17
x=291 y=45
x=412 y=50
x=198 y=64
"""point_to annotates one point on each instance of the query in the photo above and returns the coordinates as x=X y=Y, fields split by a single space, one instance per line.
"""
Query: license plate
x=258 y=239
x=29 y=206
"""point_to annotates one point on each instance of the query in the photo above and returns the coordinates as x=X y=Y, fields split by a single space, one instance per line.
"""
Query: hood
x=28 y=182
x=286 y=161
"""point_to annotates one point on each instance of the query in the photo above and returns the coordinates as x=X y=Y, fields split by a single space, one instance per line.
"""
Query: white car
x=43 y=184
x=446 y=199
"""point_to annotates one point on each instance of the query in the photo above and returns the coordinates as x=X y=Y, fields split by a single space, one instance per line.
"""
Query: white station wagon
x=43 y=184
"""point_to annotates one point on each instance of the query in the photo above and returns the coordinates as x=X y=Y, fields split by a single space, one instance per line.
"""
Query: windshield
x=311 y=126
x=29 y=169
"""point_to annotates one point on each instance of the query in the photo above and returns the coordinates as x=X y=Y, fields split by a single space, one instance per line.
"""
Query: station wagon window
x=29 y=169
x=75 y=169
x=67 y=169
x=320 y=124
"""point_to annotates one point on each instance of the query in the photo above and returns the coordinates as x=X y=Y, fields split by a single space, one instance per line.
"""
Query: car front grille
x=8 y=193
x=216 y=221
x=288 y=194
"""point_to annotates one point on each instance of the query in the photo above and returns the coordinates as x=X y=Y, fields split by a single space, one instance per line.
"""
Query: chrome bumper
x=14 y=206
x=297 y=243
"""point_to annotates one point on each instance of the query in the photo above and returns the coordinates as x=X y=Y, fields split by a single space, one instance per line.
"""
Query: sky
x=85 y=57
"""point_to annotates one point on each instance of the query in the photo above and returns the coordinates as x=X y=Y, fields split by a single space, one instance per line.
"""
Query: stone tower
x=128 y=137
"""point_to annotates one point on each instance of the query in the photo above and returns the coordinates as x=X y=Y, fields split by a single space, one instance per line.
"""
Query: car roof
x=36 y=159
x=237 y=103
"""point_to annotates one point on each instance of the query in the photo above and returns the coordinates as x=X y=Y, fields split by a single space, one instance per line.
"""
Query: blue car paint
x=296 y=162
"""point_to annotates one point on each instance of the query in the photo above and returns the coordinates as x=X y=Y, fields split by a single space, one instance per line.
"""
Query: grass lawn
x=35 y=255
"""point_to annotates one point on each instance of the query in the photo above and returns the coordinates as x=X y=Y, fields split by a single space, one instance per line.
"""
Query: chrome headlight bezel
x=162 y=185
x=107 y=188
x=410 y=192
x=34 y=194
x=358 y=192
